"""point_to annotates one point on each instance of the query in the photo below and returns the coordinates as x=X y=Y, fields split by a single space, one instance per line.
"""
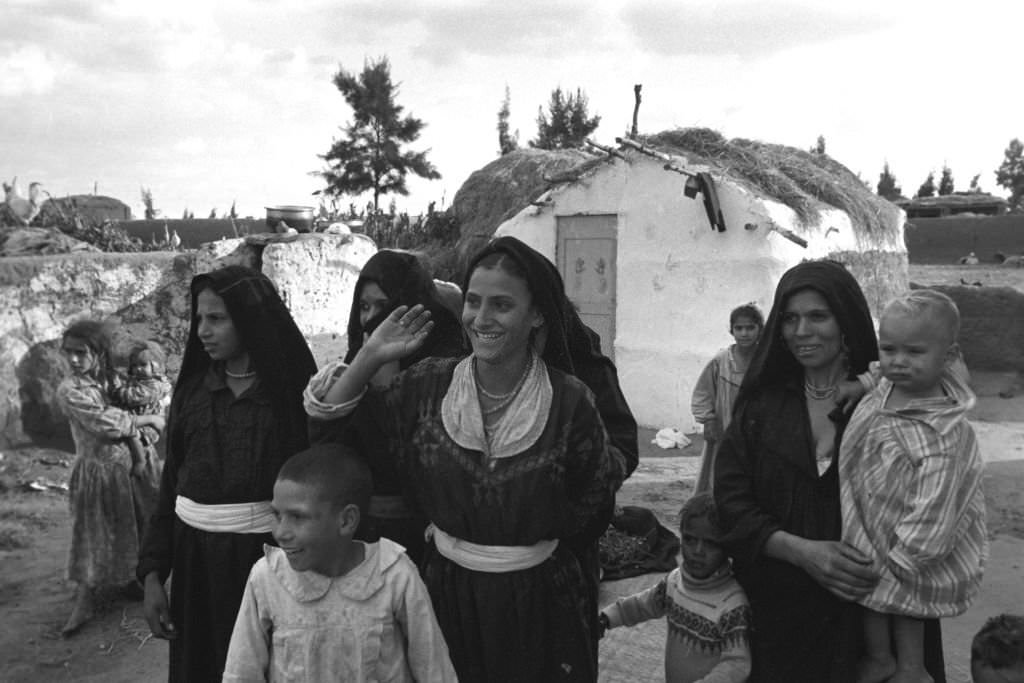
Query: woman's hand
x=840 y=568
x=155 y=608
x=400 y=334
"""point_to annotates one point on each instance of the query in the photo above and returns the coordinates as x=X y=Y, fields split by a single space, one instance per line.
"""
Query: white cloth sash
x=230 y=518
x=494 y=559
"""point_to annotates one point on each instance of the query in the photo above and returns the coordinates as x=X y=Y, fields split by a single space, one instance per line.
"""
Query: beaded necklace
x=502 y=400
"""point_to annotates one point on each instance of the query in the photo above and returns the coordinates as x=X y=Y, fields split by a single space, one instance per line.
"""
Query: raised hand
x=400 y=334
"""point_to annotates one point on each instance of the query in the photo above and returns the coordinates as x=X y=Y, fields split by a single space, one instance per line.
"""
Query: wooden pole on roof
x=636 y=108
x=610 y=151
x=670 y=165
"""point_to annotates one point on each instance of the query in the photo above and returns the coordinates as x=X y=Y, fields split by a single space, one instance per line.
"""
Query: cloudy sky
x=206 y=102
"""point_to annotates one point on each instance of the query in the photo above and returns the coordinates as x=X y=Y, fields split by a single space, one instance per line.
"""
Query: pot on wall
x=298 y=217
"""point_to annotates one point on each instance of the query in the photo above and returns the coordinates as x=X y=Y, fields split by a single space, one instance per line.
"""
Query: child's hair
x=338 y=473
x=149 y=348
x=936 y=305
x=96 y=336
x=747 y=311
x=700 y=506
x=999 y=644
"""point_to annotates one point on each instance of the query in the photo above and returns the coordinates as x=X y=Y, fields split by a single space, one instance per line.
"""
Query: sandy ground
x=115 y=648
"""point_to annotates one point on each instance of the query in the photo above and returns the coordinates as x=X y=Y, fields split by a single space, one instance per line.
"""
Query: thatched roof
x=507 y=185
x=801 y=180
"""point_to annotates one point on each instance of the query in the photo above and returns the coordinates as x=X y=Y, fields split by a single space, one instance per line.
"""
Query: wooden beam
x=610 y=151
x=670 y=164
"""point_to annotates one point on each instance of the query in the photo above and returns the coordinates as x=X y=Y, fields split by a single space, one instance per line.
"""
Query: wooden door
x=586 y=261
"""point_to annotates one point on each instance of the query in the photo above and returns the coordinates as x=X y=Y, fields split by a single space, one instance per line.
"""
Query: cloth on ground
x=636 y=543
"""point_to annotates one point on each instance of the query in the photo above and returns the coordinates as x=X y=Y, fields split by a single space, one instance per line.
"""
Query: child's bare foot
x=80 y=613
x=911 y=675
x=875 y=669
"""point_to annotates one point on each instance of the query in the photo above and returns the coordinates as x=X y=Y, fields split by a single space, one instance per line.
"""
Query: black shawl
x=773 y=363
x=405 y=282
x=571 y=346
x=277 y=350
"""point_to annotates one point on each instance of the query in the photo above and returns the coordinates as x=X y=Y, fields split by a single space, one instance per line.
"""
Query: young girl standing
x=719 y=383
x=236 y=416
x=105 y=528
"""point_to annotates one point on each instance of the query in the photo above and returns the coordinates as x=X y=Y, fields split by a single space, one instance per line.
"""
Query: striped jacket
x=910 y=482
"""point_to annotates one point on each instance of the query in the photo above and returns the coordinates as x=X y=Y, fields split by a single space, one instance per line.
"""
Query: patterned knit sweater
x=708 y=625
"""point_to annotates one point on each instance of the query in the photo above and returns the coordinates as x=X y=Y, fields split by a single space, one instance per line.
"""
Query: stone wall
x=146 y=296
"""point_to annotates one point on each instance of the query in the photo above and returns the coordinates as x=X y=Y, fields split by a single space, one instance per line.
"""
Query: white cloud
x=193 y=146
x=27 y=70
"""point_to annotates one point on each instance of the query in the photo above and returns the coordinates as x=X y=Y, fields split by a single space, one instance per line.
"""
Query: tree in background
x=567 y=123
x=975 y=187
x=927 y=188
x=506 y=142
x=819 y=146
x=147 y=201
x=1010 y=174
x=887 y=186
x=946 y=181
x=370 y=157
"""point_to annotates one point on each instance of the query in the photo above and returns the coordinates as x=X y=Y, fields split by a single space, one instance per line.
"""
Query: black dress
x=766 y=480
x=222 y=449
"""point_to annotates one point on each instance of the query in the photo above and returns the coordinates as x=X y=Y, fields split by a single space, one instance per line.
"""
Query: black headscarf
x=773 y=363
x=570 y=346
x=405 y=282
x=277 y=350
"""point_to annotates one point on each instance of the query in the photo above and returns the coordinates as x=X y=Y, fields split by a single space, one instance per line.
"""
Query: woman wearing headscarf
x=777 y=488
x=390 y=279
x=236 y=415
x=510 y=462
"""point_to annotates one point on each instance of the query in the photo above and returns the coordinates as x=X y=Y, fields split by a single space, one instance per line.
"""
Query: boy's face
x=702 y=555
x=984 y=674
x=913 y=352
x=745 y=331
x=308 y=529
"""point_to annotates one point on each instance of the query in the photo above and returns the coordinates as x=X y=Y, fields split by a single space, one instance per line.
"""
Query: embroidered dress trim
x=493 y=559
x=516 y=431
x=231 y=518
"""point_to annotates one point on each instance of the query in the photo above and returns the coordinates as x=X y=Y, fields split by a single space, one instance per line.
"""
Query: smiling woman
x=507 y=455
x=777 y=484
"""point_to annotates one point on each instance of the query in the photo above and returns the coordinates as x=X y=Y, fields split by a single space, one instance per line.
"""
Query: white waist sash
x=230 y=518
x=494 y=559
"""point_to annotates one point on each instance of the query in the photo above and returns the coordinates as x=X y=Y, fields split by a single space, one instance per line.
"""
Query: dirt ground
x=115 y=648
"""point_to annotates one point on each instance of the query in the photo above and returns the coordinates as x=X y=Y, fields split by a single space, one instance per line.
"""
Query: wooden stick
x=636 y=108
x=670 y=165
x=610 y=151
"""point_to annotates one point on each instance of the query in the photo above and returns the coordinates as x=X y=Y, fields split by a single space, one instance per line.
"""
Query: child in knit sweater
x=707 y=611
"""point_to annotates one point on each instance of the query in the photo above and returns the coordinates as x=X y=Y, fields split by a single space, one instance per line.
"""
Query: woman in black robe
x=388 y=280
x=525 y=474
x=777 y=488
x=236 y=415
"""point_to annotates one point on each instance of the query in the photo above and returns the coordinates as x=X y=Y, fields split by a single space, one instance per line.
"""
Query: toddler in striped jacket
x=910 y=481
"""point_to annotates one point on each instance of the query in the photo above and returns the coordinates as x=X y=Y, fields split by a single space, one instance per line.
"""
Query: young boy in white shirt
x=324 y=606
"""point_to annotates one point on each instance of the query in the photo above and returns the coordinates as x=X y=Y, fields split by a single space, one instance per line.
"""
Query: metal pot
x=298 y=217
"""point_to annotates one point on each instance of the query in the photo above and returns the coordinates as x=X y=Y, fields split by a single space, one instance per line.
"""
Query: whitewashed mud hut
x=660 y=237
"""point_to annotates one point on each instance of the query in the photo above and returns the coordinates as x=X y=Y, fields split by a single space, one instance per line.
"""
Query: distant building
x=977 y=203
x=92 y=207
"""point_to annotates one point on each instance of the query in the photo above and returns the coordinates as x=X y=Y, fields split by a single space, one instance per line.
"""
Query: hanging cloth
x=711 y=204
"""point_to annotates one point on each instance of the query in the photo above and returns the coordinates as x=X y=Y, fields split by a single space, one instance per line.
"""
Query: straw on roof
x=507 y=185
x=801 y=180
